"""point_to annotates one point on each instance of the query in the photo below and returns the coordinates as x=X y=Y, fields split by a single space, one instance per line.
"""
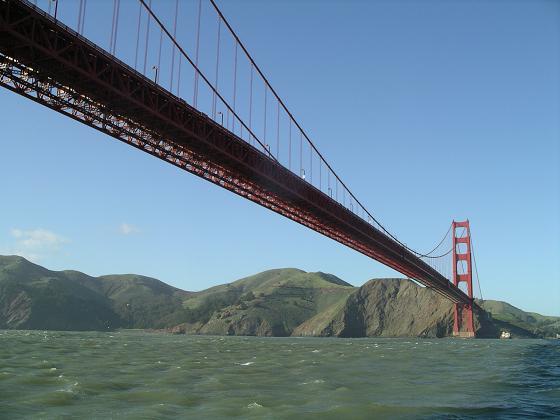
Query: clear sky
x=430 y=111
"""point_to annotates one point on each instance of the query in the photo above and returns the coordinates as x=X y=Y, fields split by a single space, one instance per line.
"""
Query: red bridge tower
x=462 y=272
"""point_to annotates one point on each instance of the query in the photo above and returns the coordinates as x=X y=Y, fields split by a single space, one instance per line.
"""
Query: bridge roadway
x=46 y=61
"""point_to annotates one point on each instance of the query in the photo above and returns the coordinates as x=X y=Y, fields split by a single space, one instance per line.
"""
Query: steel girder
x=51 y=64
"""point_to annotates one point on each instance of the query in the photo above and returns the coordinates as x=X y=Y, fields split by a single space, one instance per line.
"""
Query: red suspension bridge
x=174 y=80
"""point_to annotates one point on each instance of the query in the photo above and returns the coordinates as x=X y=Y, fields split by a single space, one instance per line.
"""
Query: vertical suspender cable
x=320 y=176
x=217 y=68
x=116 y=27
x=264 y=129
x=290 y=144
x=79 y=14
x=173 y=53
x=158 y=70
x=277 y=130
x=84 y=17
x=147 y=38
x=251 y=105
x=113 y=26
x=138 y=37
x=179 y=76
x=234 y=85
x=300 y=153
x=195 y=98
x=310 y=164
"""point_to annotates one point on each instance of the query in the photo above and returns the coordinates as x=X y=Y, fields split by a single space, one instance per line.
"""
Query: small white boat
x=505 y=334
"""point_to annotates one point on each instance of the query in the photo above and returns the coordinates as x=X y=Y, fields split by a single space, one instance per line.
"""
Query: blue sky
x=429 y=111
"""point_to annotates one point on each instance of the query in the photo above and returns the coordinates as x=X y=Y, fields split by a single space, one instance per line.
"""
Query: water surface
x=132 y=374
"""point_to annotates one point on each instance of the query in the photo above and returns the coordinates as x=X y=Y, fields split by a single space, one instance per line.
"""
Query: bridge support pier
x=462 y=273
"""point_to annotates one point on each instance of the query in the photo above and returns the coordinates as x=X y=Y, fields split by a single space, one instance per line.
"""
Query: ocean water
x=133 y=374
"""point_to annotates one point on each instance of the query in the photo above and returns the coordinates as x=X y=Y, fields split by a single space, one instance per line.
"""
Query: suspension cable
x=440 y=242
x=200 y=73
x=312 y=145
x=476 y=270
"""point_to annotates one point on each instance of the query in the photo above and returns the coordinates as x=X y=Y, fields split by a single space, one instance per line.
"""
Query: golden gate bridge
x=173 y=79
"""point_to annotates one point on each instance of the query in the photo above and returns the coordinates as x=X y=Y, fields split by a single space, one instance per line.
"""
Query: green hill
x=274 y=302
x=277 y=302
x=32 y=297
x=515 y=320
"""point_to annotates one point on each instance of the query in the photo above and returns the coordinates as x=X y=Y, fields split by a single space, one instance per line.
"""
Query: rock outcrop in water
x=280 y=302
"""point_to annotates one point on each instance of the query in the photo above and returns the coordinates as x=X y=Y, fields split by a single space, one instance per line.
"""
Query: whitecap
x=245 y=364
x=70 y=388
x=254 y=405
x=315 y=381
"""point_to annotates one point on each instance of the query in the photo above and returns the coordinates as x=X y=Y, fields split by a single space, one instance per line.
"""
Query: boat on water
x=505 y=335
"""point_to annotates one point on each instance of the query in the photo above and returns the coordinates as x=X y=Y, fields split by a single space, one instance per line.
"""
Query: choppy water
x=140 y=375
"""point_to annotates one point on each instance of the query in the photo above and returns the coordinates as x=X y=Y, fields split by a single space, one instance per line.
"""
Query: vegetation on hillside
x=32 y=297
x=515 y=319
x=278 y=302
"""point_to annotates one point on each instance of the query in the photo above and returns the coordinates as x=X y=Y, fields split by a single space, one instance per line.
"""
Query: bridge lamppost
x=303 y=173
x=155 y=68
x=221 y=114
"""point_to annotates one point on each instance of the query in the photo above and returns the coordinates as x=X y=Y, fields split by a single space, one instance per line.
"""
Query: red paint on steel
x=463 y=312
x=49 y=63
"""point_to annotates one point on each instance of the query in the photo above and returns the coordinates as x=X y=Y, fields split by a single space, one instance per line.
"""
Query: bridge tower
x=462 y=273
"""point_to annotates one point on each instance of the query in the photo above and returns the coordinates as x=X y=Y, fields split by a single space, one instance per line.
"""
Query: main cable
x=312 y=145
x=476 y=270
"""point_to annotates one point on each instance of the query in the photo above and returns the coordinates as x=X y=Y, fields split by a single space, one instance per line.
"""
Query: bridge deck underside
x=51 y=64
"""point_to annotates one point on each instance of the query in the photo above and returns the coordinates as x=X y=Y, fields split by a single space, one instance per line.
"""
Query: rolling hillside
x=32 y=297
x=515 y=320
x=271 y=303
x=278 y=302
